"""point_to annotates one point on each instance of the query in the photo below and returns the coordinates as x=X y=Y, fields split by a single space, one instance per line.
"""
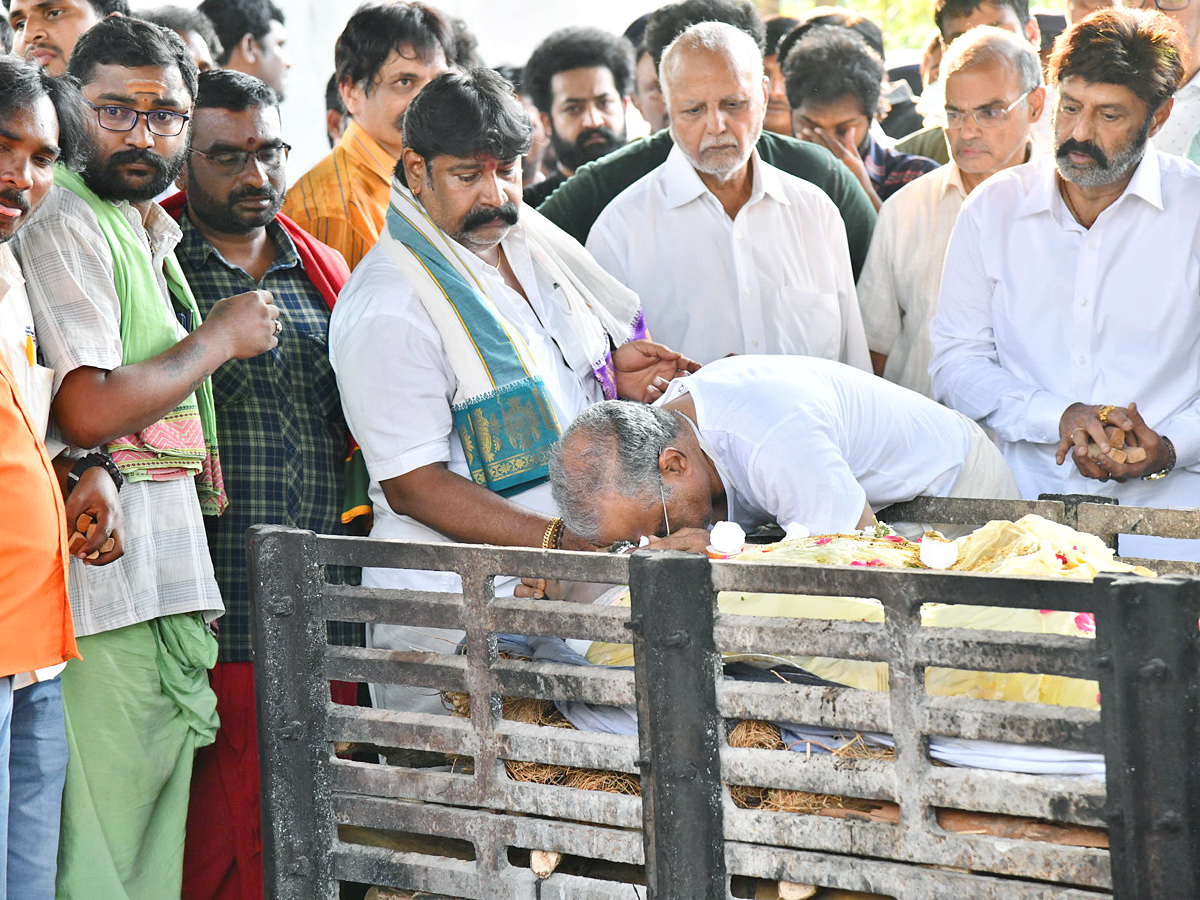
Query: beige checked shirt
x=68 y=270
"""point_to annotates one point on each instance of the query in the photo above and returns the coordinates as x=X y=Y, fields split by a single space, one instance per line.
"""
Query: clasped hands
x=1082 y=422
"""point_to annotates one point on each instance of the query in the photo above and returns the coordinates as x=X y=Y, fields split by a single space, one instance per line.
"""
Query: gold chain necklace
x=1066 y=195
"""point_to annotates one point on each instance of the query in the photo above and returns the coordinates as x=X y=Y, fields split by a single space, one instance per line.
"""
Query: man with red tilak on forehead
x=464 y=342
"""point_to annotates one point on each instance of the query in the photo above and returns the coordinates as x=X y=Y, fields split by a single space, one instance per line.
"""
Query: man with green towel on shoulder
x=120 y=327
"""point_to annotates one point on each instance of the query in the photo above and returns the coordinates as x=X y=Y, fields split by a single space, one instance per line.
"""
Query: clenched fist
x=247 y=323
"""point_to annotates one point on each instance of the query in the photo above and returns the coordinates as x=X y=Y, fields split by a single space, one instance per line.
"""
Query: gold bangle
x=1103 y=414
x=552 y=534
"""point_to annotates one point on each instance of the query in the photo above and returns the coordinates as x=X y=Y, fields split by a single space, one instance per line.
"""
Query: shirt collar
x=682 y=183
x=952 y=179
x=1146 y=183
x=195 y=248
x=364 y=149
x=405 y=203
x=10 y=270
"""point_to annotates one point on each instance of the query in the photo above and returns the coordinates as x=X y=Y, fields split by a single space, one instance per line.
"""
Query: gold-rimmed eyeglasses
x=985 y=117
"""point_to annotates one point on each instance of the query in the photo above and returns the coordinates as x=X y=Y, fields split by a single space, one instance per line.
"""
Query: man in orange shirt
x=36 y=633
x=385 y=56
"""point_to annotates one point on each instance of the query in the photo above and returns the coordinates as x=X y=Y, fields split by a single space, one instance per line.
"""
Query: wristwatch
x=92 y=460
x=1165 y=470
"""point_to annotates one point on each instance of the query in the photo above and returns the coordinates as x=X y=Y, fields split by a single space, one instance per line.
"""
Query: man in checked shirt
x=283 y=438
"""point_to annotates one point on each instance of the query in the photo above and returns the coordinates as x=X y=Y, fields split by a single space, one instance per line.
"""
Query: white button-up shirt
x=898 y=288
x=1183 y=123
x=806 y=440
x=1037 y=312
x=774 y=279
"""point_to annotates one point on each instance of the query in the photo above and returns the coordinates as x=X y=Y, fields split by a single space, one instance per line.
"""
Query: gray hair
x=611 y=448
x=988 y=44
x=716 y=37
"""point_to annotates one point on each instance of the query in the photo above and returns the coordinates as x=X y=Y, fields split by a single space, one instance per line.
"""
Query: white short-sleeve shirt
x=774 y=279
x=799 y=439
x=397 y=385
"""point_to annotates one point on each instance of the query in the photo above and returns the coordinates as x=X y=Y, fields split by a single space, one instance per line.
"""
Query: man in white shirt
x=765 y=439
x=729 y=254
x=465 y=288
x=1069 y=290
x=994 y=92
x=1177 y=132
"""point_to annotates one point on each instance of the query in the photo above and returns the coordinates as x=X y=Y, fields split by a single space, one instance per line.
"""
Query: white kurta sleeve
x=854 y=339
x=965 y=369
x=395 y=383
x=877 y=298
x=607 y=250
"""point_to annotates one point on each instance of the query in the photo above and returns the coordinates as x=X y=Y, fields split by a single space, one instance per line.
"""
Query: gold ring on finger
x=1104 y=413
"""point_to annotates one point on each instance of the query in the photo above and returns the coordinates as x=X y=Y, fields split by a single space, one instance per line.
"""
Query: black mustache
x=263 y=193
x=15 y=198
x=608 y=134
x=137 y=156
x=506 y=212
x=1087 y=148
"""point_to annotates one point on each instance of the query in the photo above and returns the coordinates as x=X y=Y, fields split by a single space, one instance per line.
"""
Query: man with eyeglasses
x=283 y=438
x=762 y=440
x=994 y=94
x=132 y=359
x=1068 y=302
x=955 y=18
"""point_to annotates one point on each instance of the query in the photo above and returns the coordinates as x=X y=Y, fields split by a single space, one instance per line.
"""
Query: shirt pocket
x=806 y=323
x=315 y=372
x=231 y=383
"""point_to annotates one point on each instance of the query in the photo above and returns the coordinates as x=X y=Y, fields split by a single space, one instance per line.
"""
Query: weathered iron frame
x=1145 y=658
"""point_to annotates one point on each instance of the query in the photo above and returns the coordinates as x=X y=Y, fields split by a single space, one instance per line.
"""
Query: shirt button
x=1082 y=360
x=1083 y=301
x=754 y=343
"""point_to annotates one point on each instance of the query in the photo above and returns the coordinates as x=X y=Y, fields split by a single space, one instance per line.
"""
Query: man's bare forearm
x=463 y=510
x=94 y=406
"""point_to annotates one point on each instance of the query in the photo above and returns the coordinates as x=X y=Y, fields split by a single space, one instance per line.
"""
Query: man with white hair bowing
x=729 y=254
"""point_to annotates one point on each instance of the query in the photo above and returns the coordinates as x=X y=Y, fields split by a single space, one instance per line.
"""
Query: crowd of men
x=487 y=316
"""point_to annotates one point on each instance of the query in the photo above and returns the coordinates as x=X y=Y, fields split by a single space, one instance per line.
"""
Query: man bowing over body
x=466 y=340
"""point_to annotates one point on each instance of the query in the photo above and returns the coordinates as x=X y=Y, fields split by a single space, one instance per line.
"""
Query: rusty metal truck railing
x=685 y=830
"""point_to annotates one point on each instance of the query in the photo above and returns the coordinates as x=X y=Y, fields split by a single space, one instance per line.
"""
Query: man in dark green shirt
x=581 y=198
x=577 y=202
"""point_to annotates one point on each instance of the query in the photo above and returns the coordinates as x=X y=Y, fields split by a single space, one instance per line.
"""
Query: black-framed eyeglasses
x=162 y=122
x=233 y=162
x=1163 y=5
x=987 y=117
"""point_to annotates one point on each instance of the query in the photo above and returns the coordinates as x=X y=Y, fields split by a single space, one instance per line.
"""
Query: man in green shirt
x=578 y=201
